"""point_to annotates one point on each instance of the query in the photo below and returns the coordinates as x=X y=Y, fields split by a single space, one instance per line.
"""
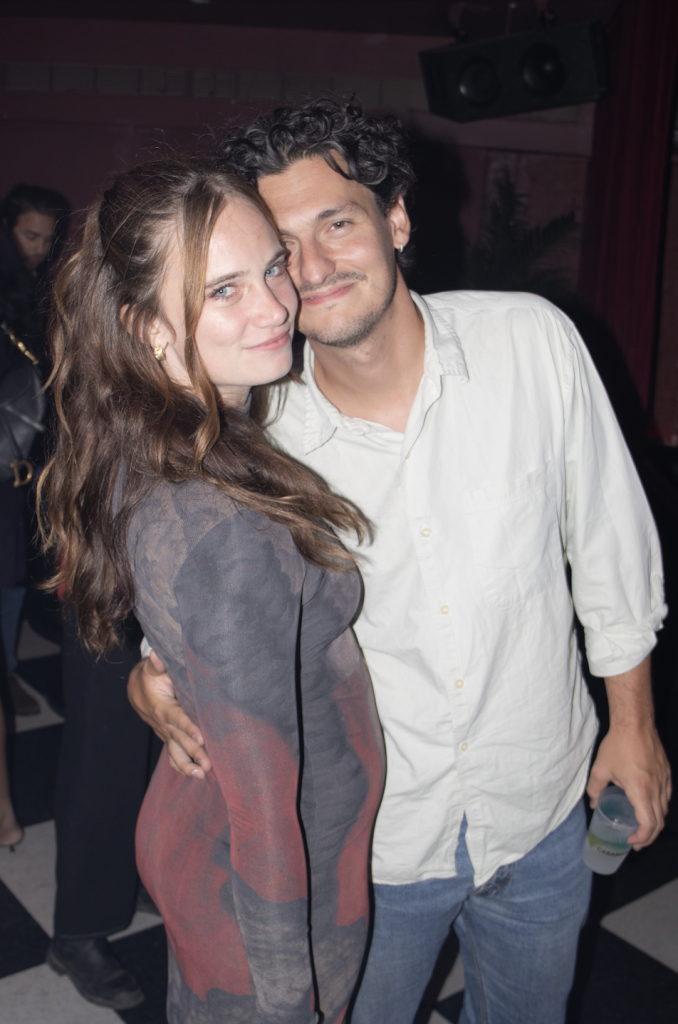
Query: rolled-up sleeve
x=611 y=538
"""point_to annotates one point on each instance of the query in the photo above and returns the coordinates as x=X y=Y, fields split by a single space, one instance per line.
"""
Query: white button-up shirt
x=511 y=466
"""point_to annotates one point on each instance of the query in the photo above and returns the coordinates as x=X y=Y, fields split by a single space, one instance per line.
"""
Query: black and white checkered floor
x=628 y=964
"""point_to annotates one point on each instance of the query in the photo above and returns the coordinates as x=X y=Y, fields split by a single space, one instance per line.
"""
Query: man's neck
x=378 y=379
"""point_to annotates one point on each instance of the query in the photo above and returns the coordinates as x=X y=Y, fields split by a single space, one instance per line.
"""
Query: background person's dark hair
x=124 y=424
x=28 y=198
x=25 y=295
x=374 y=149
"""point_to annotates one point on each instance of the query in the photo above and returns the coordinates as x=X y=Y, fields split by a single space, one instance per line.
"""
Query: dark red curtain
x=627 y=180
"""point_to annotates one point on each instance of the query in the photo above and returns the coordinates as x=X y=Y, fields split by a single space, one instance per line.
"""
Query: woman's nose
x=271 y=312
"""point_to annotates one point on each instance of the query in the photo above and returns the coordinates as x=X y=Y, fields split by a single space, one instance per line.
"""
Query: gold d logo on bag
x=23 y=471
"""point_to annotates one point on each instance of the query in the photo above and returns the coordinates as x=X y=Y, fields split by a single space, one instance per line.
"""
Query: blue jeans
x=517 y=935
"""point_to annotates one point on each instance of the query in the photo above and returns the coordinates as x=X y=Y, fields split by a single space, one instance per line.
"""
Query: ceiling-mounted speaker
x=512 y=74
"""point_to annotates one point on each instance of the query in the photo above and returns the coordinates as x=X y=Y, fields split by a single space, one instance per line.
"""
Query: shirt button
x=464 y=747
x=408 y=455
x=426 y=532
x=445 y=609
x=459 y=683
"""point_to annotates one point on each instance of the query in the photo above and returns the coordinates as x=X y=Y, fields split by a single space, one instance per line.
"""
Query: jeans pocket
x=515 y=536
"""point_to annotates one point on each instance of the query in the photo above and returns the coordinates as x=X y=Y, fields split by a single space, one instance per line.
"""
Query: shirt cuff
x=620 y=648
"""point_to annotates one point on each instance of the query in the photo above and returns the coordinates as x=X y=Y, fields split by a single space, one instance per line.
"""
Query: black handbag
x=22 y=407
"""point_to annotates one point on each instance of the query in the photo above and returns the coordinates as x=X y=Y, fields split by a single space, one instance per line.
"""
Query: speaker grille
x=527 y=71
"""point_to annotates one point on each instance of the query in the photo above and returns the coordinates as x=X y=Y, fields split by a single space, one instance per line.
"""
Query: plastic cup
x=613 y=821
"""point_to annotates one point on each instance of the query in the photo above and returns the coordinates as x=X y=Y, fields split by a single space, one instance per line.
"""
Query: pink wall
x=176 y=45
x=74 y=140
x=666 y=388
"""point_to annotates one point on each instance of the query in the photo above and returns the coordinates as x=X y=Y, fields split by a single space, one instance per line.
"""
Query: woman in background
x=164 y=497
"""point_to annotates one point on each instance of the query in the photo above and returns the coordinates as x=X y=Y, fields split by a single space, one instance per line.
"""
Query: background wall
x=82 y=98
x=666 y=381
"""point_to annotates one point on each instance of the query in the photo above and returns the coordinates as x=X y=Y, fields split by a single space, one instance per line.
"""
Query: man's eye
x=339 y=223
x=276 y=270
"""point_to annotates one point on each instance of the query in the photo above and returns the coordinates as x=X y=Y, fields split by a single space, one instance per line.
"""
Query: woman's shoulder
x=173 y=520
x=185 y=511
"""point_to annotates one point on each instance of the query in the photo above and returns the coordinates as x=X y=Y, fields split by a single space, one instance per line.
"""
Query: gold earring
x=158 y=352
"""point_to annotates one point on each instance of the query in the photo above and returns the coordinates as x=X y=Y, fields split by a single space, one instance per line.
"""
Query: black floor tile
x=44 y=675
x=32 y=758
x=615 y=982
x=444 y=964
x=450 y=1008
x=641 y=873
x=145 y=955
x=23 y=943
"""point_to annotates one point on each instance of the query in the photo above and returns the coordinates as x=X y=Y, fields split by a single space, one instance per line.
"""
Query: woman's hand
x=152 y=696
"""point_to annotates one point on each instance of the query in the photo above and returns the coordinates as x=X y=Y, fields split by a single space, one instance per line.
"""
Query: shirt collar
x=443 y=355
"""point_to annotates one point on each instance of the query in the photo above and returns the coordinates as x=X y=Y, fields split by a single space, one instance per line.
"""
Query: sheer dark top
x=261 y=870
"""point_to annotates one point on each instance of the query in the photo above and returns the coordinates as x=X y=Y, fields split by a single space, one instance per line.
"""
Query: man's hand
x=151 y=694
x=631 y=755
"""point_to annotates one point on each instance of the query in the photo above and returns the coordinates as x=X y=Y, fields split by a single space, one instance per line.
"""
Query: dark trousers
x=107 y=757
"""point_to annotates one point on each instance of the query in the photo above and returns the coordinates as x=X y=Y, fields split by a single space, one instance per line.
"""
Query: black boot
x=95 y=971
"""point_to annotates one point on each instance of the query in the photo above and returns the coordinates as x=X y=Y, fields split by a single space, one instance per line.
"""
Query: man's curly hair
x=374 y=149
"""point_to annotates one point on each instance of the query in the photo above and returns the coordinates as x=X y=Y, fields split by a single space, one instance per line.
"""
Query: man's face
x=341 y=247
x=33 y=235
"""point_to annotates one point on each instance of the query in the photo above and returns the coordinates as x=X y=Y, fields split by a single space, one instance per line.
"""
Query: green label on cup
x=609 y=849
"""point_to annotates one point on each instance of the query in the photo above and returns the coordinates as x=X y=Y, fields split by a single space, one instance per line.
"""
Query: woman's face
x=244 y=335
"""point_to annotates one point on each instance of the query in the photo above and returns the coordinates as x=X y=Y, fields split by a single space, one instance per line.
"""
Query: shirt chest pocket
x=515 y=536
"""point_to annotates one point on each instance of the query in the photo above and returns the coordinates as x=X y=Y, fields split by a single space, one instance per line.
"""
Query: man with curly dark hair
x=474 y=432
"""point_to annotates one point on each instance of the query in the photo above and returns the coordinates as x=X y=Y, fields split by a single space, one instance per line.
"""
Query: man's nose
x=312 y=266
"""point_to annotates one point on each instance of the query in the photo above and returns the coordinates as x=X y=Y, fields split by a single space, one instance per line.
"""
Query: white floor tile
x=32 y=645
x=455 y=980
x=650 y=924
x=24 y=723
x=39 y=996
x=140 y=922
x=29 y=874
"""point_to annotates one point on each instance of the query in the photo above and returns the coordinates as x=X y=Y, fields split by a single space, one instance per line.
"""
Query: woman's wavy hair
x=375 y=150
x=124 y=424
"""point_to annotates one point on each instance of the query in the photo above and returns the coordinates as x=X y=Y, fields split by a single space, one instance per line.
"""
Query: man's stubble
x=360 y=328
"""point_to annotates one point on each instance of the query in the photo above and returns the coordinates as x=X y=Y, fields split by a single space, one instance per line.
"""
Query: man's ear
x=399 y=220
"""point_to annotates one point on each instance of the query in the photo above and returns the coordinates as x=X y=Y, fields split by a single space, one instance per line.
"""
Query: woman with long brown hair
x=164 y=497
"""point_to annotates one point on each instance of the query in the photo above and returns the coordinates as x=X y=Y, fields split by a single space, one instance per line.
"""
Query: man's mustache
x=329 y=282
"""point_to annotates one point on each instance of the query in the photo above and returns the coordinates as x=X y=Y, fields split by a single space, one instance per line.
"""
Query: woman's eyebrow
x=225 y=278
x=282 y=251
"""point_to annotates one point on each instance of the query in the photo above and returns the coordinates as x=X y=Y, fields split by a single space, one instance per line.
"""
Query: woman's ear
x=159 y=343
x=125 y=318
x=155 y=334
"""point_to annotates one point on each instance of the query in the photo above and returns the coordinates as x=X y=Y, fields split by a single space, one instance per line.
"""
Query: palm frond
x=511 y=255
